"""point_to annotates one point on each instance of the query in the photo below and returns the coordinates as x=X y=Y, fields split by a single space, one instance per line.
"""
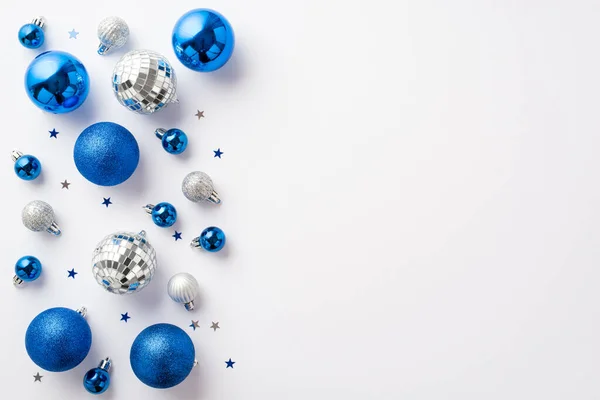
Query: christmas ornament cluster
x=107 y=154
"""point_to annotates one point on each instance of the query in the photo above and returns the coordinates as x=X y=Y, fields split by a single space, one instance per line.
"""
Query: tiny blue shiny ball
x=57 y=82
x=28 y=167
x=31 y=36
x=174 y=141
x=58 y=339
x=162 y=356
x=212 y=239
x=28 y=268
x=164 y=215
x=203 y=40
x=96 y=381
x=106 y=154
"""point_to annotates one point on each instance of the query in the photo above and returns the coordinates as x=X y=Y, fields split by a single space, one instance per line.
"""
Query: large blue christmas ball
x=203 y=40
x=57 y=82
x=106 y=154
x=162 y=356
x=58 y=339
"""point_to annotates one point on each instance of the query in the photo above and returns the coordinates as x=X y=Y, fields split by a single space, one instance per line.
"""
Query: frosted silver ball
x=197 y=186
x=112 y=33
x=38 y=216
x=144 y=81
x=183 y=288
x=124 y=262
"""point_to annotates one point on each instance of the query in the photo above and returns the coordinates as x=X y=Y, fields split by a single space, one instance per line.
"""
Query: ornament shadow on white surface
x=233 y=71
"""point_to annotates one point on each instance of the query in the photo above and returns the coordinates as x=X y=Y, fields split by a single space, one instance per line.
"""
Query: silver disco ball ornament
x=124 y=262
x=144 y=81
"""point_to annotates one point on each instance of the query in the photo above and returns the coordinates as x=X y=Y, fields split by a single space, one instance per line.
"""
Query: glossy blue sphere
x=203 y=40
x=28 y=167
x=164 y=215
x=31 y=36
x=57 y=82
x=212 y=239
x=106 y=154
x=174 y=141
x=96 y=381
x=162 y=356
x=28 y=268
x=58 y=339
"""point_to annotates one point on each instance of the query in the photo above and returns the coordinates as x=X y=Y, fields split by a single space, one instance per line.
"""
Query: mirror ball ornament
x=144 y=81
x=27 y=269
x=163 y=214
x=183 y=288
x=106 y=154
x=97 y=380
x=57 y=82
x=203 y=40
x=38 y=216
x=197 y=186
x=58 y=339
x=124 y=262
x=174 y=141
x=112 y=33
x=162 y=356
x=27 y=167
x=32 y=35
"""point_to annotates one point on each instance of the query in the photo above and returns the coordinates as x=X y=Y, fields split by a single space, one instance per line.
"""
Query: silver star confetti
x=65 y=184
x=199 y=114
x=215 y=326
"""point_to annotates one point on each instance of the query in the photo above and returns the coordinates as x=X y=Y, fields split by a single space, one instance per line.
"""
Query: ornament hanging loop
x=82 y=311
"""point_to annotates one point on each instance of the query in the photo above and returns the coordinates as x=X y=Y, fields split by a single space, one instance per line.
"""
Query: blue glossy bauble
x=28 y=167
x=106 y=154
x=31 y=36
x=174 y=141
x=203 y=40
x=96 y=381
x=57 y=82
x=28 y=268
x=162 y=356
x=164 y=215
x=58 y=339
x=212 y=239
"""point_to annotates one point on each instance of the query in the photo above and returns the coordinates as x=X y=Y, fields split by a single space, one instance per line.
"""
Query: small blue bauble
x=58 y=339
x=164 y=215
x=203 y=40
x=57 y=82
x=106 y=154
x=28 y=167
x=162 y=356
x=97 y=380
x=174 y=141
x=212 y=239
x=31 y=36
x=28 y=268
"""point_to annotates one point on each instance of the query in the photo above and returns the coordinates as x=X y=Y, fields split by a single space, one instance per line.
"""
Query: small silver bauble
x=112 y=33
x=39 y=216
x=144 y=81
x=183 y=288
x=124 y=262
x=197 y=186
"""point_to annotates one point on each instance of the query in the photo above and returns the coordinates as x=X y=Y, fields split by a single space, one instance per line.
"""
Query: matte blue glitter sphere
x=164 y=215
x=57 y=82
x=58 y=339
x=28 y=167
x=212 y=239
x=96 y=380
x=203 y=40
x=162 y=356
x=174 y=141
x=31 y=36
x=106 y=154
x=28 y=268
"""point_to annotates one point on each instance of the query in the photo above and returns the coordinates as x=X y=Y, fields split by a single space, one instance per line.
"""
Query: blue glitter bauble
x=203 y=40
x=31 y=36
x=96 y=381
x=106 y=154
x=57 y=82
x=28 y=268
x=174 y=141
x=58 y=339
x=164 y=215
x=212 y=239
x=162 y=356
x=28 y=167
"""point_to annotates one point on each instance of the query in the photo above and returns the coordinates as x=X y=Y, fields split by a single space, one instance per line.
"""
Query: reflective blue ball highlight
x=212 y=239
x=162 y=356
x=57 y=82
x=164 y=215
x=203 y=40
x=28 y=167
x=174 y=141
x=106 y=154
x=58 y=339
x=31 y=36
x=28 y=268
x=96 y=381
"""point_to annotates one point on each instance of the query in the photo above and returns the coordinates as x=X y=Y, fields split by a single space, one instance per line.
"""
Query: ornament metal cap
x=148 y=208
x=160 y=132
x=82 y=311
x=39 y=21
x=105 y=364
x=15 y=155
x=17 y=281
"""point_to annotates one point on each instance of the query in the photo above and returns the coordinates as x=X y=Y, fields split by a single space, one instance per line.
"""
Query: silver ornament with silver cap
x=183 y=288
x=197 y=186
x=112 y=33
x=38 y=216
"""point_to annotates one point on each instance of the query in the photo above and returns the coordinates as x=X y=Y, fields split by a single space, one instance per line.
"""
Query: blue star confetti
x=218 y=152
x=106 y=202
x=72 y=273
x=229 y=363
x=177 y=236
x=53 y=133
x=73 y=34
x=125 y=317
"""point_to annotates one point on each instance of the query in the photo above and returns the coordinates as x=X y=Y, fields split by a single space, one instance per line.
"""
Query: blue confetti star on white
x=73 y=34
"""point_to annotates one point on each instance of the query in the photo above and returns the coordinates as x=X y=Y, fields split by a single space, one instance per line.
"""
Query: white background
x=410 y=193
